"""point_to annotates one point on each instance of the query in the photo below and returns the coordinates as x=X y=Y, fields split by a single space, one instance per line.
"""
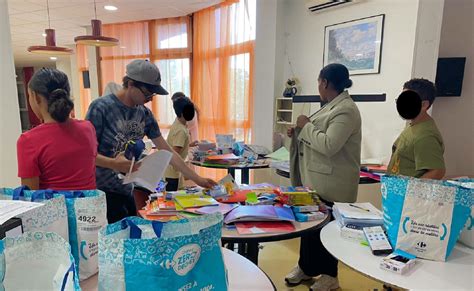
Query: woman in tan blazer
x=325 y=155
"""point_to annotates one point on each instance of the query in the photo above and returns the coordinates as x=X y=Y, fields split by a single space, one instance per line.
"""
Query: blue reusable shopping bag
x=51 y=217
x=77 y=215
x=37 y=261
x=424 y=217
x=138 y=254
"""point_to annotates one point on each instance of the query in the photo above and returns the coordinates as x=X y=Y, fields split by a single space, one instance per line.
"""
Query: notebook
x=191 y=201
x=252 y=227
x=259 y=213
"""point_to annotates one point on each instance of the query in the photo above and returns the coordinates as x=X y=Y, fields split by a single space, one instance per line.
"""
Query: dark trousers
x=172 y=184
x=314 y=259
x=119 y=206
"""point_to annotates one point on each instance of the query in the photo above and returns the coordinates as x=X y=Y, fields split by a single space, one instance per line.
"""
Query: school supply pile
x=305 y=213
x=358 y=214
x=260 y=213
x=297 y=196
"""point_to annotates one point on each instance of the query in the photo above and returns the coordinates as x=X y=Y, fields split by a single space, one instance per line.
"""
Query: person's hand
x=301 y=121
x=206 y=183
x=290 y=131
x=194 y=143
x=122 y=165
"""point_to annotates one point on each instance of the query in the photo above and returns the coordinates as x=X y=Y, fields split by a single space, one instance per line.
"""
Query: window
x=167 y=43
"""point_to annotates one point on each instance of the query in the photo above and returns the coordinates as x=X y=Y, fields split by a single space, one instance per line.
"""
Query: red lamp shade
x=50 y=48
x=96 y=39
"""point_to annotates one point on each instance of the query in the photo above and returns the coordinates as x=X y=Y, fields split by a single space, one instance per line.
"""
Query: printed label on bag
x=186 y=258
x=425 y=233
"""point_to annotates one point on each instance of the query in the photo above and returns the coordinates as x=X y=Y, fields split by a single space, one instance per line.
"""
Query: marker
x=355 y=206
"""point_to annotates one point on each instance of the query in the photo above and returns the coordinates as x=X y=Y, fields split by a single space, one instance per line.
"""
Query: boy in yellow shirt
x=418 y=151
x=179 y=139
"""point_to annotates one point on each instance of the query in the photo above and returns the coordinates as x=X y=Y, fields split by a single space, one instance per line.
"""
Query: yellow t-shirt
x=178 y=137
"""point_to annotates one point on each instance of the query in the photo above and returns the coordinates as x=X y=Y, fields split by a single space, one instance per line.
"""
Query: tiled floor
x=278 y=258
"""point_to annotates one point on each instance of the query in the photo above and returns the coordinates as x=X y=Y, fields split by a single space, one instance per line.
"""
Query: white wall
x=380 y=121
x=454 y=115
x=264 y=93
x=10 y=128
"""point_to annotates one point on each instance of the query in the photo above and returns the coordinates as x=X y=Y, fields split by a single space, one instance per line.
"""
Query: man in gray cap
x=120 y=118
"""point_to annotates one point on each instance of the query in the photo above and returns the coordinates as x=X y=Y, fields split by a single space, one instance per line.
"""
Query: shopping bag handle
x=74 y=194
x=136 y=232
x=19 y=192
x=42 y=194
x=71 y=269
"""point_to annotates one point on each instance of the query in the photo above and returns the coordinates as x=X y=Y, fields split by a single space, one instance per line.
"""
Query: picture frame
x=357 y=44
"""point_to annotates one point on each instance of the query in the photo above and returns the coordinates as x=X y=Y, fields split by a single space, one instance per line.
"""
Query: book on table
x=259 y=213
x=259 y=227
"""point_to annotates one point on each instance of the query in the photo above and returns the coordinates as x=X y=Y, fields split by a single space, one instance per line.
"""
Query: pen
x=355 y=206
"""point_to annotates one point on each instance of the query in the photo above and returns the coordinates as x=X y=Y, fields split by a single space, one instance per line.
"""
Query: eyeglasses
x=147 y=96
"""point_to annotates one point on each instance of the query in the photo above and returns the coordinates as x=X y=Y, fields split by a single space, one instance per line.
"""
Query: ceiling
x=28 y=19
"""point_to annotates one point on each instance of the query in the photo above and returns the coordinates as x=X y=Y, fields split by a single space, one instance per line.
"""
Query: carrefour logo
x=186 y=258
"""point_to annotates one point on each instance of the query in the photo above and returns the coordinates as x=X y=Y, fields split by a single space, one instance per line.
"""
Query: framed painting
x=357 y=44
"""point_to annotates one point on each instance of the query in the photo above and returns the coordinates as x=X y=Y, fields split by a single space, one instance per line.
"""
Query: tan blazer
x=326 y=151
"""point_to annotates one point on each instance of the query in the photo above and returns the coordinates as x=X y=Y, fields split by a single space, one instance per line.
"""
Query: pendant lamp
x=50 y=48
x=96 y=39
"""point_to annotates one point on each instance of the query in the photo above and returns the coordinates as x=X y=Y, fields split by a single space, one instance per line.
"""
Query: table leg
x=230 y=246
x=245 y=179
x=231 y=172
x=252 y=252
x=242 y=249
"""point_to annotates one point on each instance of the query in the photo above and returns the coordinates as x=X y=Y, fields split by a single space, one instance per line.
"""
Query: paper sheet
x=12 y=208
x=152 y=169
x=282 y=154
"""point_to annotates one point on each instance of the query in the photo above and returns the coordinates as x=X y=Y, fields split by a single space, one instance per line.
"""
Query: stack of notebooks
x=260 y=219
x=226 y=159
x=352 y=217
x=373 y=171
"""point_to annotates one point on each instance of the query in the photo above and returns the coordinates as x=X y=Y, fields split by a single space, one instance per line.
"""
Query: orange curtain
x=223 y=57
x=223 y=52
x=82 y=66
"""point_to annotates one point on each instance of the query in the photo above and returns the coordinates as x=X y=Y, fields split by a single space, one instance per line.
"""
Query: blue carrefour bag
x=75 y=215
x=37 y=261
x=138 y=254
x=424 y=217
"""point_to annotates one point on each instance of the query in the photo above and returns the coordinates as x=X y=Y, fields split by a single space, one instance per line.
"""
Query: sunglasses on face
x=146 y=92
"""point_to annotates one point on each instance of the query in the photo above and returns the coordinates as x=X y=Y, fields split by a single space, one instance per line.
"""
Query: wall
x=454 y=115
x=264 y=94
x=305 y=44
x=10 y=127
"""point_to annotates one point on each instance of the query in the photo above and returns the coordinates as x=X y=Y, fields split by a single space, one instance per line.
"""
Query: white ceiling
x=28 y=19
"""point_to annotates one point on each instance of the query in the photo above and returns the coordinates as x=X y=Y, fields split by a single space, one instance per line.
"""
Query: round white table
x=457 y=273
x=243 y=275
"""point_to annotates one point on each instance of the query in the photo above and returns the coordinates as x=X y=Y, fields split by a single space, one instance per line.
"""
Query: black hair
x=184 y=107
x=177 y=95
x=53 y=85
x=337 y=75
x=425 y=88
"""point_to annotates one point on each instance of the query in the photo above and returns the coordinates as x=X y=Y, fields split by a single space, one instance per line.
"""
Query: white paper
x=152 y=169
x=12 y=208
x=348 y=211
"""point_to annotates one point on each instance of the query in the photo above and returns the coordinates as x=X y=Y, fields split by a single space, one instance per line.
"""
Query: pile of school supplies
x=259 y=213
x=358 y=214
x=306 y=213
x=353 y=217
x=297 y=196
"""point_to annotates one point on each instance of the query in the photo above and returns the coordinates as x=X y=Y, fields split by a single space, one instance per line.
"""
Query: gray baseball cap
x=148 y=73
